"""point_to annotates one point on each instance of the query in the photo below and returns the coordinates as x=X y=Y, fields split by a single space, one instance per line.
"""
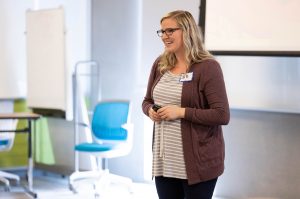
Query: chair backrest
x=108 y=120
x=7 y=138
x=6 y=141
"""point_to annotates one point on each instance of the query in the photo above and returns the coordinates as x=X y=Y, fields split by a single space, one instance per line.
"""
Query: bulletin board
x=46 y=68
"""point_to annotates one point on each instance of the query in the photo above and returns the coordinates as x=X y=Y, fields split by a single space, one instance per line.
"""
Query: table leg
x=30 y=173
x=30 y=161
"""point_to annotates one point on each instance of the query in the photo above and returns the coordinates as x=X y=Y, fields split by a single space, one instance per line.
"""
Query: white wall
x=262 y=156
x=115 y=35
x=12 y=49
x=264 y=83
x=151 y=44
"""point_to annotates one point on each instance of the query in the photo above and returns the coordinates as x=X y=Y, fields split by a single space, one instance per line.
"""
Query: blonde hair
x=195 y=51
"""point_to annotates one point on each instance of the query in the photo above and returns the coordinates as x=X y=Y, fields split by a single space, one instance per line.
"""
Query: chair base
x=83 y=175
x=101 y=180
x=6 y=183
x=5 y=177
x=122 y=180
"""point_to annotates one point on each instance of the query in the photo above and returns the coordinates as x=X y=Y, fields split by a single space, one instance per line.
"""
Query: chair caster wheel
x=71 y=187
x=6 y=189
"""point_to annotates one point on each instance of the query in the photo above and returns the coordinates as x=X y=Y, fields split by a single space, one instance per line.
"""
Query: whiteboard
x=46 y=70
x=253 y=25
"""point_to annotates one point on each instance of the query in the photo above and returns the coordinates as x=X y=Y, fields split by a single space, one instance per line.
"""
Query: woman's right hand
x=153 y=115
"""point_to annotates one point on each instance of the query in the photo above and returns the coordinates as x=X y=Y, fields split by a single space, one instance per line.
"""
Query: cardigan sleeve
x=214 y=92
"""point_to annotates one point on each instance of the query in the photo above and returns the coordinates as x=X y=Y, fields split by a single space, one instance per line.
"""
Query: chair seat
x=94 y=147
x=3 y=142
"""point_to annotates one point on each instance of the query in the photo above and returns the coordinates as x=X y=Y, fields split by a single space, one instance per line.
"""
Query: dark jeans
x=173 y=188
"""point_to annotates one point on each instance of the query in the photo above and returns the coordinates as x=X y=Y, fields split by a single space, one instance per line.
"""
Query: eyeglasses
x=168 y=31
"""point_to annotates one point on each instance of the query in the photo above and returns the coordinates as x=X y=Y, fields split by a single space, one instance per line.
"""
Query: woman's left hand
x=171 y=112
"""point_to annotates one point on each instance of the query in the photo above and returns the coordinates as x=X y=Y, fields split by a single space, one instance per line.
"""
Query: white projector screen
x=252 y=26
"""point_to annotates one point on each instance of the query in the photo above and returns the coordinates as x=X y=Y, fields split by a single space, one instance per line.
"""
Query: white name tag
x=186 y=77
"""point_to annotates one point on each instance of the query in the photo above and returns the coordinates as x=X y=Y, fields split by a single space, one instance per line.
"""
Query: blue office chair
x=112 y=137
x=6 y=143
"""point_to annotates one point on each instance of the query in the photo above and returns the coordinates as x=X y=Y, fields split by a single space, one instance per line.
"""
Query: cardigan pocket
x=207 y=152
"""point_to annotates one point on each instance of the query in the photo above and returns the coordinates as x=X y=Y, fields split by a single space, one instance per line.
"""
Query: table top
x=21 y=115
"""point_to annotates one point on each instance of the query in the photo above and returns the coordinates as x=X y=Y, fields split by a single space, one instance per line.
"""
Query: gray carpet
x=56 y=187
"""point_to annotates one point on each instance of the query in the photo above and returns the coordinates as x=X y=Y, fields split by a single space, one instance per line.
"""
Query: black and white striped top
x=168 y=158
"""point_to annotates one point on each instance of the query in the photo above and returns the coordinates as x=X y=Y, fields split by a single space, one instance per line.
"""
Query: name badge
x=186 y=77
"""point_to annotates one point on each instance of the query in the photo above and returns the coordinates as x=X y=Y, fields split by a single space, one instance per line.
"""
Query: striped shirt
x=168 y=160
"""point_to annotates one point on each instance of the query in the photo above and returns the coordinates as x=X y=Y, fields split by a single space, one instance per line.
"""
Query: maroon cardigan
x=206 y=109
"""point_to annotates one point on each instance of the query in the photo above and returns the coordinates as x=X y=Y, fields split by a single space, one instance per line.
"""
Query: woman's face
x=172 y=37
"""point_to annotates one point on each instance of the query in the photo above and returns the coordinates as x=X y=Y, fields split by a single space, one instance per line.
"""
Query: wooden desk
x=30 y=117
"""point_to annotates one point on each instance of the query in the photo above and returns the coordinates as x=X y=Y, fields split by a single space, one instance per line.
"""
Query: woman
x=187 y=87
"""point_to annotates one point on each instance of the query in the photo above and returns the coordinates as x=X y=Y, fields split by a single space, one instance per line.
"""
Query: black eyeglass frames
x=168 y=31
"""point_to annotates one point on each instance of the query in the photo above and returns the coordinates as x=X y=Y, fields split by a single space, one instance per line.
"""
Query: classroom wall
x=262 y=156
x=12 y=49
x=264 y=83
x=115 y=46
x=262 y=138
